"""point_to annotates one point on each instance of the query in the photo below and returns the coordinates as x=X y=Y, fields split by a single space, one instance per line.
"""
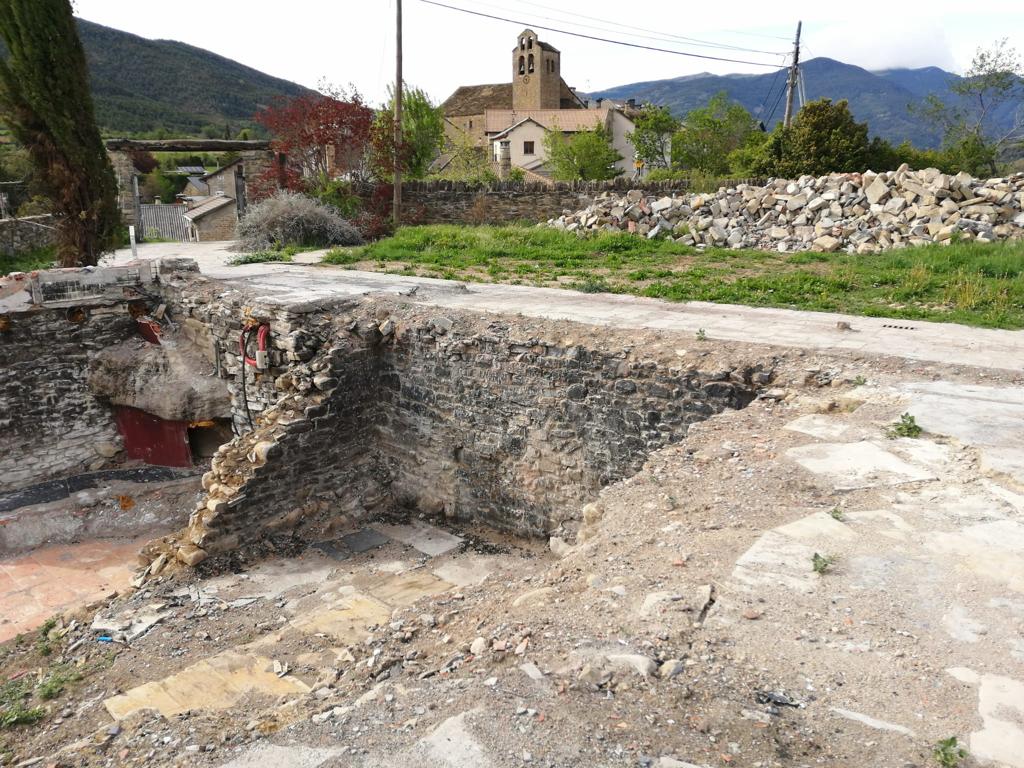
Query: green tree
x=970 y=137
x=422 y=130
x=709 y=134
x=652 y=139
x=583 y=156
x=824 y=139
x=45 y=101
x=469 y=162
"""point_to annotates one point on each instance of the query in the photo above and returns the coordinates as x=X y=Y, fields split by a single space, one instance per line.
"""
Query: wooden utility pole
x=397 y=204
x=794 y=75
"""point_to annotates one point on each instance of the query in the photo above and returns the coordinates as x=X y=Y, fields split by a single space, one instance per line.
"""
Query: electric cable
x=598 y=39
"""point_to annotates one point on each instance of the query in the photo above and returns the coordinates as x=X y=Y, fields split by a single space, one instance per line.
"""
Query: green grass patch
x=261 y=257
x=40 y=258
x=969 y=283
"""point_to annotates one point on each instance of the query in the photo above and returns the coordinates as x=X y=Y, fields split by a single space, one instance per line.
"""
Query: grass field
x=974 y=284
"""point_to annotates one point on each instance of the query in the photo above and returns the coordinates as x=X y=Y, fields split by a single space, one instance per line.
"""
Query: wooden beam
x=186 y=145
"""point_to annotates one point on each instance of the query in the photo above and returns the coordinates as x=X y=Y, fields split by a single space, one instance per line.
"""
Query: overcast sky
x=352 y=41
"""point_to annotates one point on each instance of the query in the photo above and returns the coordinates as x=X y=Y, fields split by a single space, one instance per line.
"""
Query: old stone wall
x=26 y=234
x=441 y=202
x=518 y=432
x=370 y=404
x=50 y=422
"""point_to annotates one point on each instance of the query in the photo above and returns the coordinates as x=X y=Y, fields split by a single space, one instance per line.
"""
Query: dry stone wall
x=26 y=234
x=51 y=423
x=442 y=202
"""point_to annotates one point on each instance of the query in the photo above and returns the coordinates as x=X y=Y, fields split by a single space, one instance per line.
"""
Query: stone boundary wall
x=50 y=422
x=27 y=234
x=444 y=202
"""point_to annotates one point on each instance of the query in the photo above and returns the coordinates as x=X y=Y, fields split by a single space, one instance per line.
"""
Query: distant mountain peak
x=881 y=98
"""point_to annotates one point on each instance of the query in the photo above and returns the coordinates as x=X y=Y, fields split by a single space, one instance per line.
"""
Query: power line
x=768 y=93
x=661 y=34
x=598 y=39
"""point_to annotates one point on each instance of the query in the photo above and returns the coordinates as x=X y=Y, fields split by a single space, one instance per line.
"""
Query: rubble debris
x=852 y=212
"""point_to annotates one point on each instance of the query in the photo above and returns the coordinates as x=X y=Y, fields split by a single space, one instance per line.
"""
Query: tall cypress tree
x=45 y=101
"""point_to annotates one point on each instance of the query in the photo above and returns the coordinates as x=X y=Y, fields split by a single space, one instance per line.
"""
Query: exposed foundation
x=371 y=404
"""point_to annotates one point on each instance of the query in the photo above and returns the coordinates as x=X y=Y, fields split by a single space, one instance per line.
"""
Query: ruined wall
x=27 y=234
x=370 y=404
x=50 y=422
x=518 y=432
x=441 y=202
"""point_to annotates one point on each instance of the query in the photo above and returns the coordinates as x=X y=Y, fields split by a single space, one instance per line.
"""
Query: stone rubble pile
x=854 y=212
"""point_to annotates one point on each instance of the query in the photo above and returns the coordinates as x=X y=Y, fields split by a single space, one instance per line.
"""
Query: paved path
x=931 y=342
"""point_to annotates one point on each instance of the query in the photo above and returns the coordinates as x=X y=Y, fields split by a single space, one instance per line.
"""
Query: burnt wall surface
x=371 y=404
x=50 y=422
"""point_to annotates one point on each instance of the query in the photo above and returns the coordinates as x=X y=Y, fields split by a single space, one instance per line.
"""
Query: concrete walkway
x=931 y=342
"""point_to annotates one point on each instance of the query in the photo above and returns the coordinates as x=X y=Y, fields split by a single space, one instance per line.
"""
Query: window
x=522 y=65
x=530 y=68
x=527 y=147
x=522 y=44
x=529 y=43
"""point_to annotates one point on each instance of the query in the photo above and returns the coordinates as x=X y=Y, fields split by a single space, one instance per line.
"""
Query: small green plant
x=13 y=710
x=860 y=381
x=837 y=514
x=822 y=563
x=907 y=426
x=261 y=257
x=593 y=285
x=948 y=753
x=53 y=685
x=702 y=335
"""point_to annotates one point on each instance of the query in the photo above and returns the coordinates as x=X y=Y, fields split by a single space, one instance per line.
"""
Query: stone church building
x=517 y=114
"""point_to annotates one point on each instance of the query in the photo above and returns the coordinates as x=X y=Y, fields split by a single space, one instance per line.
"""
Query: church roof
x=477 y=99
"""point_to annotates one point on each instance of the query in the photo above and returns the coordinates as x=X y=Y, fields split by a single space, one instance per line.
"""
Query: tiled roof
x=219 y=171
x=477 y=99
x=209 y=206
x=568 y=120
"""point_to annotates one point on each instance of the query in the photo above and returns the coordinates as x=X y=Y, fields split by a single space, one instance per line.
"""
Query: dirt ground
x=789 y=586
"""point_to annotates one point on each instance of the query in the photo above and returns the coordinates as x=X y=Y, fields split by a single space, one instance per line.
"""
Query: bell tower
x=536 y=74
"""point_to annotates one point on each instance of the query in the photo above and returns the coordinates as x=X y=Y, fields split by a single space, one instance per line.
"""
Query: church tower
x=536 y=74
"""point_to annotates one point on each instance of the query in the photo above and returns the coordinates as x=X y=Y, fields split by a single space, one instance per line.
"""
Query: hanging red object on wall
x=154 y=440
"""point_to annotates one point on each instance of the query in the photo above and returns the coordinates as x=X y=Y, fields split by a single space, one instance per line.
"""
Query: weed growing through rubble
x=860 y=381
x=58 y=677
x=261 y=257
x=837 y=514
x=822 y=563
x=702 y=335
x=907 y=426
x=948 y=753
x=14 y=695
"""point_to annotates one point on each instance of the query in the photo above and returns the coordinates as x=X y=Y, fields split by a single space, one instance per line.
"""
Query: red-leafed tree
x=319 y=134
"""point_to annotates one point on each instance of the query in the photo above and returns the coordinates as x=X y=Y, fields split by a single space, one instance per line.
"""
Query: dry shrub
x=290 y=219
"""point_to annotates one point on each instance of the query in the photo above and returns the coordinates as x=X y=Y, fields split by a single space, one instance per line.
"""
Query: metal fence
x=165 y=222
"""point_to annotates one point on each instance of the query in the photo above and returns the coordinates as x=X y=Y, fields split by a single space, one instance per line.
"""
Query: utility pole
x=397 y=203
x=794 y=74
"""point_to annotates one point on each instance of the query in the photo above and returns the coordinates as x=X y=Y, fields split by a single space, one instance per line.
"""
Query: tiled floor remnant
x=36 y=586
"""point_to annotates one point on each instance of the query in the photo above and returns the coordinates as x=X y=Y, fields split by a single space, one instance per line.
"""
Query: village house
x=536 y=101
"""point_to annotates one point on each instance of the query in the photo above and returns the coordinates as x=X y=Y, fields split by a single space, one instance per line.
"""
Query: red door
x=154 y=440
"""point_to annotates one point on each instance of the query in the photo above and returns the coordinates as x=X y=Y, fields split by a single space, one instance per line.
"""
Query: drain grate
x=900 y=327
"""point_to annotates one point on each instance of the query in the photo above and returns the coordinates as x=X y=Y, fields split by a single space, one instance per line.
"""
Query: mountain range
x=882 y=99
x=145 y=86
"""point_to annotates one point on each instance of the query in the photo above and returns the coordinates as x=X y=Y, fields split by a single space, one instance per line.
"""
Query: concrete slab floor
x=36 y=586
x=302 y=283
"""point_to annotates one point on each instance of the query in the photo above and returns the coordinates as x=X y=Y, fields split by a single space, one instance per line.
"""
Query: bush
x=292 y=219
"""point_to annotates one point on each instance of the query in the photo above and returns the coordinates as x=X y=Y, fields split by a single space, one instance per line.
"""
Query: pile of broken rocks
x=854 y=212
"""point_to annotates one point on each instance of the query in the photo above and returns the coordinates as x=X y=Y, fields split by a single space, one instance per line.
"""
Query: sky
x=353 y=42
